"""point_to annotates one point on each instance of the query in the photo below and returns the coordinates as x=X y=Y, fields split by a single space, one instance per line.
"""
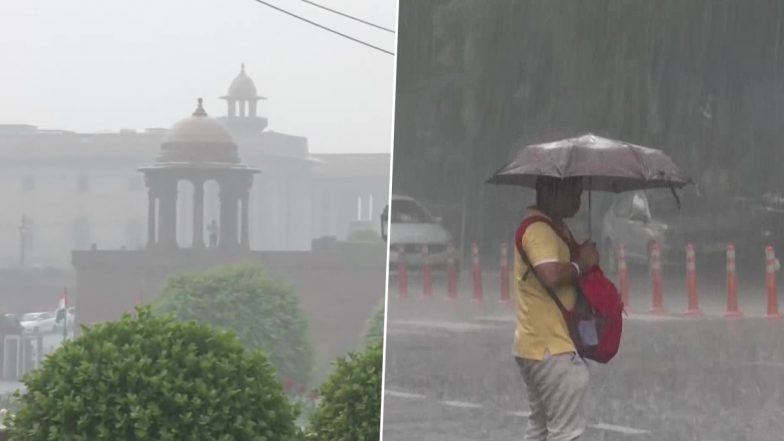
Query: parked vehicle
x=770 y=212
x=43 y=322
x=46 y=322
x=69 y=320
x=638 y=219
x=411 y=227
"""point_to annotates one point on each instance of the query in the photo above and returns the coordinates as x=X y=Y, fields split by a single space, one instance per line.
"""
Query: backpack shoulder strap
x=528 y=221
x=523 y=226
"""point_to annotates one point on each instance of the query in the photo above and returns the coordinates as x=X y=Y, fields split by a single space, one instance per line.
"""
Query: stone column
x=198 y=213
x=228 y=212
x=252 y=105
x=242 y=108
x=245 y=219
x=232 y=108
x=167 y=214
x=151 y=217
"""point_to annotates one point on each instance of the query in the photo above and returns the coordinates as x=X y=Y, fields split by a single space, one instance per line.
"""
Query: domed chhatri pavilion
x=215 y=188
x=242 y=97
x=198 y=185
x=198 y=149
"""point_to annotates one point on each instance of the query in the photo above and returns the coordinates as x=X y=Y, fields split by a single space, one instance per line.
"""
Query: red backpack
x=596 y=321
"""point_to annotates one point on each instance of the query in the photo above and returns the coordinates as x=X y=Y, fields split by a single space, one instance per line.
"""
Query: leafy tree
x=350 y=404
x=263 y=313
x=154 y=378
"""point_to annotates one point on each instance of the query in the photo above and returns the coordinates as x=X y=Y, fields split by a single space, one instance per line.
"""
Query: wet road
x=450 y=375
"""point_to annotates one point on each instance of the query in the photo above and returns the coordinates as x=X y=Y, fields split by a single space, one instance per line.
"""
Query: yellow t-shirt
x=540 y=324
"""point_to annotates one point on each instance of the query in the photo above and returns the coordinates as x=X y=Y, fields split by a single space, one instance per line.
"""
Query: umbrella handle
x=590 y=211
x=675 y=195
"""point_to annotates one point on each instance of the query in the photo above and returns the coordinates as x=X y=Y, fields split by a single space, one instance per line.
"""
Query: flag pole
x=590 y=211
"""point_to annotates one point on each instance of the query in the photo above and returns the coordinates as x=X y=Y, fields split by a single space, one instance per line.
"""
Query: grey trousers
x=556 y=387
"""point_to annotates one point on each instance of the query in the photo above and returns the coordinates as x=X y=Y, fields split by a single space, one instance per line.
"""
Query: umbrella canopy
x=612 y=166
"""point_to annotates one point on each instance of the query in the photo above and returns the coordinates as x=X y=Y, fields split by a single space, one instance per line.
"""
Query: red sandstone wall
x=338 y=289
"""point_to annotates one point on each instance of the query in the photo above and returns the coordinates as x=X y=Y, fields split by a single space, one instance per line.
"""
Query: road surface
x=450 y=375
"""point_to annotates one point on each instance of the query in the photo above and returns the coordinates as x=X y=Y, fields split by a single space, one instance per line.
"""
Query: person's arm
x=557 y=274
x=540 y=244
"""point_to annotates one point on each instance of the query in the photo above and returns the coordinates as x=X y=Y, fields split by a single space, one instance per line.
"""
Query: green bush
x=153 y=378
x=264 y=314
x=350 y=406
x=374 y=331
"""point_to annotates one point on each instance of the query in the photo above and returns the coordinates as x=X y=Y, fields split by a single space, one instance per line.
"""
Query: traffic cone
x=773 y=300
x=427 y=276
x=289 y=385
x=691 y=282
x=656 y=276
x=478 y=292
x=732 y=284
x=451 y=288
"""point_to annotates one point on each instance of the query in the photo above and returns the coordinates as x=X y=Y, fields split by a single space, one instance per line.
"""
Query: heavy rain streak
x=190 y=245
x=702 y=82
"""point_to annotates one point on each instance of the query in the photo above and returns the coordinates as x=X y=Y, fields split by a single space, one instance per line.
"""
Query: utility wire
x=348 y=16
x=325 y=28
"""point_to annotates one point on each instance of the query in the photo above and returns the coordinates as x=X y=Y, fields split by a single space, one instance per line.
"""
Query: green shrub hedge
x=350 y=406
x=263 y=313
x=153 y=378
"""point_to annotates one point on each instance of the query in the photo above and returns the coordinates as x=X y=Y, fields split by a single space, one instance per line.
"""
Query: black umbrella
x=605 y=164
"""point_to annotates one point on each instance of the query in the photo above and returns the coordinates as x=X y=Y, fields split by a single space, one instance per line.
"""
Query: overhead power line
x=348 y=16
x=325 y=28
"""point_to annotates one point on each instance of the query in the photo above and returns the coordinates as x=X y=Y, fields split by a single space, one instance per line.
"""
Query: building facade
x=65 y=191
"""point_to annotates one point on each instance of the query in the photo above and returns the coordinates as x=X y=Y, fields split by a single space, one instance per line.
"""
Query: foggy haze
x=106 y=66
x=478 y=81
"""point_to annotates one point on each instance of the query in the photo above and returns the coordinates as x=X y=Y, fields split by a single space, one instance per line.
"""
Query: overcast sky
x=105 y=65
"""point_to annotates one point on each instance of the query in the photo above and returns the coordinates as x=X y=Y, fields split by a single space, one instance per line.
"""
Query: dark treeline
x=702 y=80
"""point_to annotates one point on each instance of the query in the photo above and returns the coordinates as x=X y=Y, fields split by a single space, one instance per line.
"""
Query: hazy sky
x=105 y=65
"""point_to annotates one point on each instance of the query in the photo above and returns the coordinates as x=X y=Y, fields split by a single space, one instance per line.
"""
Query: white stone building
x=64 y=191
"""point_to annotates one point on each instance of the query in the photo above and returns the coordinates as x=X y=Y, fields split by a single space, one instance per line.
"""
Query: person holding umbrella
x=555 y=376
x=550 y=264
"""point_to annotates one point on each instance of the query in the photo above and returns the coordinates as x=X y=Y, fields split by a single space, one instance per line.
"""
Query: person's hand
x=587 y=256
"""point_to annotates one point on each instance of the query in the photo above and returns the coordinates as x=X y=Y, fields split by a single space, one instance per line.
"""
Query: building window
x=28 y=183
x=82 y=183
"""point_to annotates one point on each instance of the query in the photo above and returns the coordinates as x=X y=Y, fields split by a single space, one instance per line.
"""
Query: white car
x=411 y=227
x=44 y=322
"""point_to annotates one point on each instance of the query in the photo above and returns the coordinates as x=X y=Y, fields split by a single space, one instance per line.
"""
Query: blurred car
x=44 y=322
x=411 y=227
x=637 y=219
x=769 y=213
x=69 y=319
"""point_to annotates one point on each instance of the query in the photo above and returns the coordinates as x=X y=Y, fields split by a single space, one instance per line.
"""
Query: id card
x=587 y=330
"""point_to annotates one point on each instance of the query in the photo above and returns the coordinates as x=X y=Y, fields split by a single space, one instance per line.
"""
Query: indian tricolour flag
x=62 y=306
